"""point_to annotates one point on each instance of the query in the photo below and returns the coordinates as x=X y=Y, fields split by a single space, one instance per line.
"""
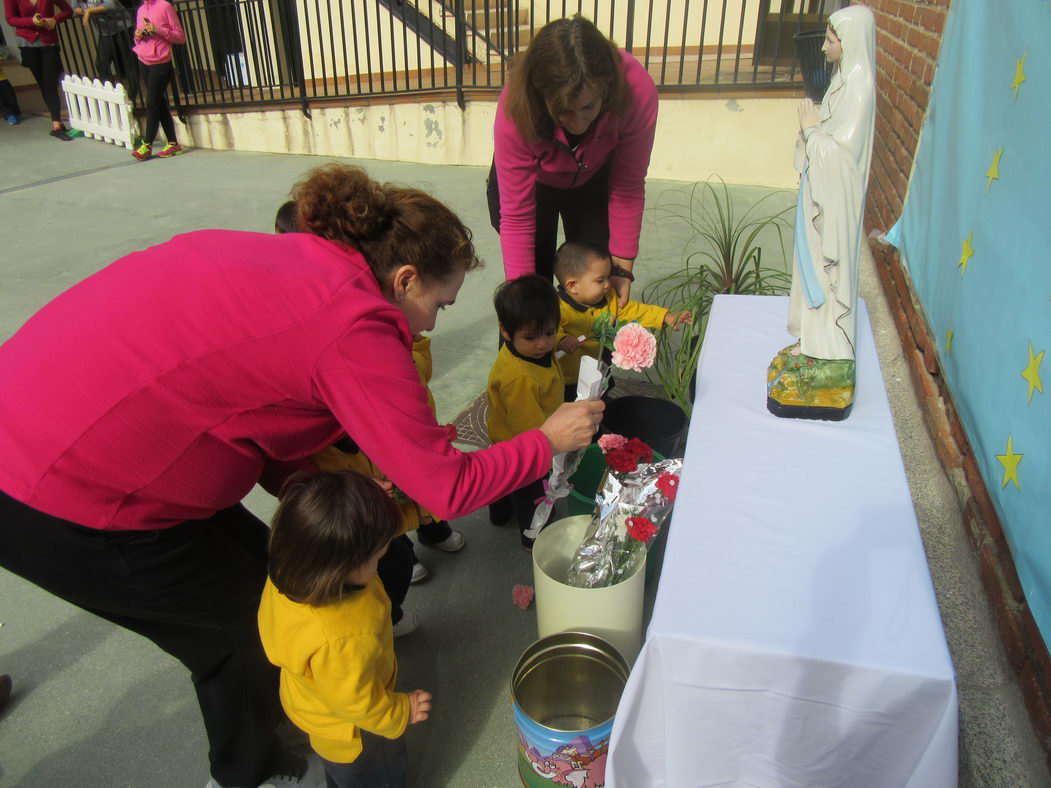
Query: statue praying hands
x=814 y=378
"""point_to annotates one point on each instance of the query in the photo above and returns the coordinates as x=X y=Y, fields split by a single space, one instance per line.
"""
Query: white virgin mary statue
x=814 y=378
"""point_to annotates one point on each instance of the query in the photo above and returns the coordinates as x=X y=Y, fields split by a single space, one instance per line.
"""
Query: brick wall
x=908 y=37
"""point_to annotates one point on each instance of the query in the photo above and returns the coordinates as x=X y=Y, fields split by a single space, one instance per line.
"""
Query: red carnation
x=642 y=529
x=639 y=449
x=622 y=460
x=668 y=483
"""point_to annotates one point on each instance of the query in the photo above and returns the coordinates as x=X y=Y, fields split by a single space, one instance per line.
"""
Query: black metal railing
x=259 y=52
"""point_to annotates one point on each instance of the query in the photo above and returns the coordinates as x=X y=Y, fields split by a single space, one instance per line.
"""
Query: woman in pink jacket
x=573 y=135
x=156 y=29
x=140 y=406
x=36 y=23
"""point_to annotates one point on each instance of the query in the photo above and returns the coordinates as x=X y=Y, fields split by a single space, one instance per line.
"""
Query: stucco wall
x=744 y=141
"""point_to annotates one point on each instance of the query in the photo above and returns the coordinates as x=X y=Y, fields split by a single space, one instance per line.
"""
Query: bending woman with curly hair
x=573 y=136
x=140 y=406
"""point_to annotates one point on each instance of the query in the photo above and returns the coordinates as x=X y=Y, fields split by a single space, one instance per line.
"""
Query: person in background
x=583 y=273
x=324 y=620
x=36 y=23
x=525 y=383
x=156 y=29
x=573 y=135
x=113 y=57
x=9 y=108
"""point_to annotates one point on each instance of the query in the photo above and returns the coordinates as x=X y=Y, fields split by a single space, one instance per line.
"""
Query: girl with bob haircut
x=324 y=620
x=573 y=135
x=188 y=372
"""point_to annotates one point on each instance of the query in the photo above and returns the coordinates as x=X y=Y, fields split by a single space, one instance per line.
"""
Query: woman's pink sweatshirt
x=159 y=389
x=625 y=141
x=158 y=48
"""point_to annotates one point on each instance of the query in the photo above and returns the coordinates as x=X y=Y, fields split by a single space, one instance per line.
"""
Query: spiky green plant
x=722 y=253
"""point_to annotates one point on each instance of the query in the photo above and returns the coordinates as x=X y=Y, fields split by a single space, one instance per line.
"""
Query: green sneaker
x=171 y=149
x=143 y=152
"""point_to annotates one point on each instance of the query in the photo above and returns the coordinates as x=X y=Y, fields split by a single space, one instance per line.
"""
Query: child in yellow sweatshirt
x=583 y=274
x=525 y=383
x=324 y=620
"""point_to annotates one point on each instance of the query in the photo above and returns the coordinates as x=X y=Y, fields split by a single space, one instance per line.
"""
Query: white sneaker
x=408 y=623
x=419 y=573
x=450 y=544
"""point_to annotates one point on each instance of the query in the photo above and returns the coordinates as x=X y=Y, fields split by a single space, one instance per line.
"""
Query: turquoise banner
x=975 y=234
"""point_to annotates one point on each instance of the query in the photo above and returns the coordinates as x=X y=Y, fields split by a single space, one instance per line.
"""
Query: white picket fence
x=100 y=109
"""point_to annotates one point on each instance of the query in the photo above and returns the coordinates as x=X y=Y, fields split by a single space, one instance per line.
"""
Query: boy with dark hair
x=583 y=273
x=525 y=383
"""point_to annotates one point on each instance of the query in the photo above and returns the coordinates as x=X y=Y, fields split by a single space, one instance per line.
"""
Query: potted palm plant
x=723 y=252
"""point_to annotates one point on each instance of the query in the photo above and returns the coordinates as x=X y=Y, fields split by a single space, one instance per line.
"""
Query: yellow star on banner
x=948 y=341
x=1010 y=462
x=967 y=253
x=1032 y=372
x=993 y=173
x=1019 y=72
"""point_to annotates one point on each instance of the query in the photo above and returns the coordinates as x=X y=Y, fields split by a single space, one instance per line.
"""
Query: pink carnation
x=634 y=348
x=522 y=596
x=610 y=442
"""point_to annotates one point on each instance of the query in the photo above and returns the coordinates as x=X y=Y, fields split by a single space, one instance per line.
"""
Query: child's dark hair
x=285 y=221
x=574 y=257
x=326 y=525
x=526 y=302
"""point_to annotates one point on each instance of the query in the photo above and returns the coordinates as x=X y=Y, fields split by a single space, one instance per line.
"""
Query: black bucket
x=659 y=422
x=817 y=73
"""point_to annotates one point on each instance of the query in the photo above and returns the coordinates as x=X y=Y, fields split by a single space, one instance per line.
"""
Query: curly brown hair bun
x=391 y=225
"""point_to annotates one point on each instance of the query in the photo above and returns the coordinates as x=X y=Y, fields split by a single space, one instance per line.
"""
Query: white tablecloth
x=795 y=639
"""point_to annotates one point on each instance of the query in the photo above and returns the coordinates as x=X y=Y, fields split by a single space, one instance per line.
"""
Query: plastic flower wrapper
x=630 y=509
x=591 y=384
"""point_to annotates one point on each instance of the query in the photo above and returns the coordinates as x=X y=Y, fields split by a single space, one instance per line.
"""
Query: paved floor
x=97 y=706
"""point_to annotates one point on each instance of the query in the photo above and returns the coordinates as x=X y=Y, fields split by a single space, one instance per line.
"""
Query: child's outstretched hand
x=419 y=706
x=673 y=319
x=569 y=344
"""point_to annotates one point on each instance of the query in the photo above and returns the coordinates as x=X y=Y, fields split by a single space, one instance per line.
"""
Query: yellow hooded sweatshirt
x=337 y=667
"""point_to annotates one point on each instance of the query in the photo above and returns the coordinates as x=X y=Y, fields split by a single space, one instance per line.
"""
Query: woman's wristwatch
x=623 y=273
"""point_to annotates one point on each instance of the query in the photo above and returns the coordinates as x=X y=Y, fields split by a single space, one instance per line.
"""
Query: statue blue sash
x=815 y=296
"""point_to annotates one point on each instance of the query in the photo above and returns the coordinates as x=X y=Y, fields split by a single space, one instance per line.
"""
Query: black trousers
x=115 y=51
x=45 y=64
x=383 y=763
x=395 y=572
x=584 y=211
x=158 y=112
x=192 y=589
x=8 y=100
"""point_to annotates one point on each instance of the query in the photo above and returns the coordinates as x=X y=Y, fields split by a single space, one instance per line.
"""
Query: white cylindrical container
x=613 y=613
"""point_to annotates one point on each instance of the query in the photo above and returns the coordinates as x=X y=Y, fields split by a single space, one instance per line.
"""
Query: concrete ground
x=94 y=705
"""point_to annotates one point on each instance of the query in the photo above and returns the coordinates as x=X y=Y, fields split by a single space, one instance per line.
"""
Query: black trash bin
x=659 y=422
x=816 y=72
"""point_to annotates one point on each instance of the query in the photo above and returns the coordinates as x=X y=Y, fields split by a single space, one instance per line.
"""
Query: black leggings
x=192 y=589
x=157 y=78
x=45 y=64
x=584 y=211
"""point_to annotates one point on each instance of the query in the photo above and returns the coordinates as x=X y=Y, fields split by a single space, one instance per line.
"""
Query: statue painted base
x=801 y=387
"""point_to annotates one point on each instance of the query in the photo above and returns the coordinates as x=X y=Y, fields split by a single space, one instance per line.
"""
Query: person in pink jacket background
x=36 y=23
x=156 y=29
x=140 y=406
x=573 y=135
